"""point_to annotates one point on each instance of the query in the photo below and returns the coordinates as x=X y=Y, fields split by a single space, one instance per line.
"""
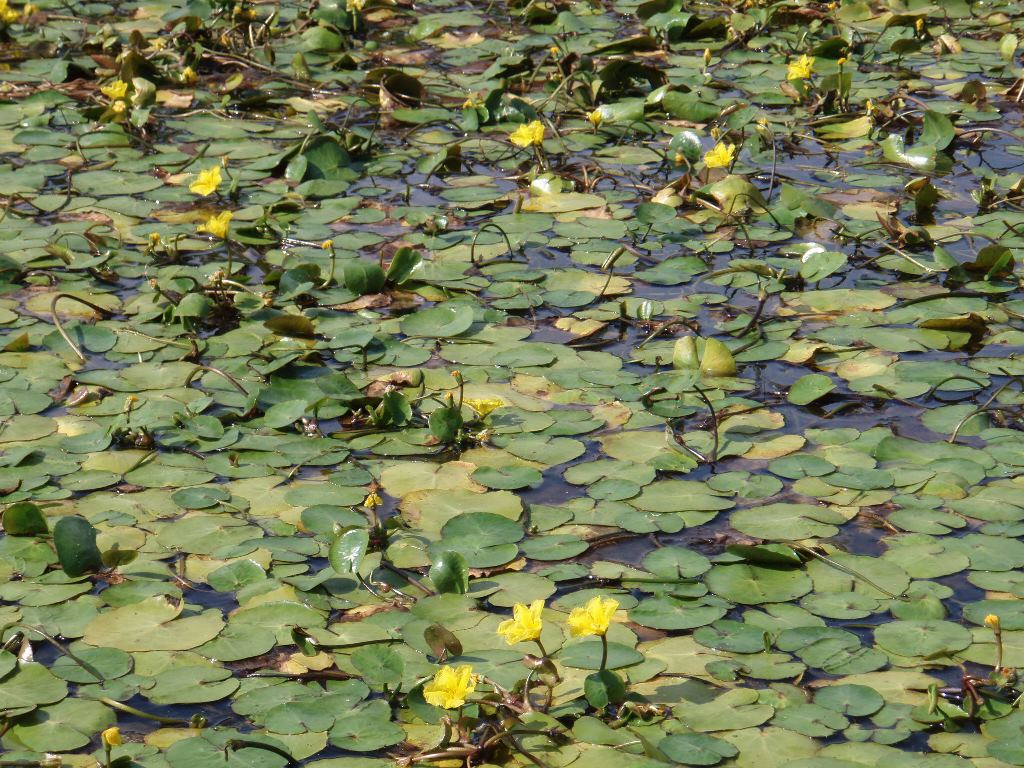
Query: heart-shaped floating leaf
x=450 y=573
x=809 y=388
x=378 y=665
x=348 y=550
x=403 y=264
x=363 y=276
x=710 y=356
x=602 y=688
x=442 y=642
x=75 y=540
x=24 y=519
x=445 y=423
x=296 y=326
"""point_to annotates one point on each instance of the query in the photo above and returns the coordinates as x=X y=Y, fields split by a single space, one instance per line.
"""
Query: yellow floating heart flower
x=525 y=623
x=528 y=135
x=484 y=405
x=116 y=90
x=188 y=76
x=721 y=156
x=594 y=617
x=354 y=5
x=372 y=500
x=595 y=118
x=207 y=182
x=450 y=687
x=111 y=737
x=217 y=225
x=800 y=69
x=7 y=15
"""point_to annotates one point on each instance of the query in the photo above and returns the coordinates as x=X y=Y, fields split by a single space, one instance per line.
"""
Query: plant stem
x=139 y=713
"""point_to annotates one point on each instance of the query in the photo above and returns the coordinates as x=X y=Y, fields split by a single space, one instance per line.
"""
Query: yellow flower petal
x=800 y=69
x=484 y=405
x=111 y=737
x=217 y=225
x=594 y=617
x=450 y=687
x=526 y=623
x=721 y=156
x=528 y=135
x=207 y=182
x=116 y=90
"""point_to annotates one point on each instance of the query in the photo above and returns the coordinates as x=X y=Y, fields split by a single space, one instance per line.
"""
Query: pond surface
x=331 y=332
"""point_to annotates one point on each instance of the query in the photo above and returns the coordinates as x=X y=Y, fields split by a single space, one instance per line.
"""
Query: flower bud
x=111 y=737
x=992 y=622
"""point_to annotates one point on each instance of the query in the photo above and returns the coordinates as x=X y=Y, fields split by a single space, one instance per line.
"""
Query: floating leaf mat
x=518 y=383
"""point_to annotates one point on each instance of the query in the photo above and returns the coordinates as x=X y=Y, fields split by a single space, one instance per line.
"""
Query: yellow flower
x=528 y=135
x=484 y=405
x=553 y=50
x=7 y=15
x=450 y=687
x=207 y=182
x=111 y=737
x=217 y=225
x=525 y=623
x=869 y=106
x=354 y=5
x=842 y=60
x=327 y=245
x=154 y=239
x=594 y=617
x=707 y=56
x=116 y=90
x=119 y=106
x=596 y=117
x=801 y=68
x=992 y=622
x=28 y=10
x=372 y=500
x=188 y=76
x=721 y=156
